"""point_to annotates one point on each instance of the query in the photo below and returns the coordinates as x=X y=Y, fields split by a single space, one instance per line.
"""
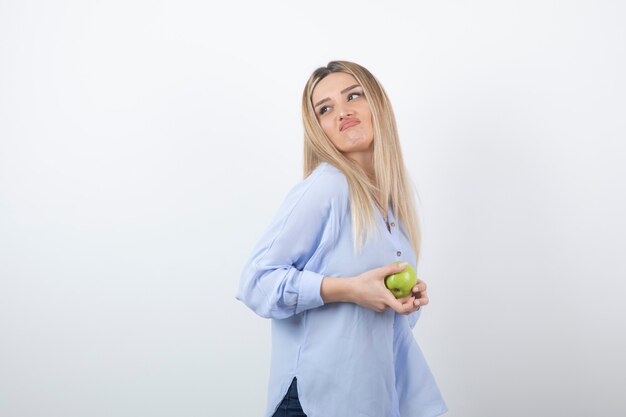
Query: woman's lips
x=348 y=123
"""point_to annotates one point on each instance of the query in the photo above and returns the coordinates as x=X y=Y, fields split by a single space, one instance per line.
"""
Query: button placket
x=394 y=236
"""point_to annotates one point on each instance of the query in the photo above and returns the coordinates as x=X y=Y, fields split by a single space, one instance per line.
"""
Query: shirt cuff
x=309 y=294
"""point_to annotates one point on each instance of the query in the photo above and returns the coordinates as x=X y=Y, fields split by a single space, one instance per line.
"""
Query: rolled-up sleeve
x=275 y=282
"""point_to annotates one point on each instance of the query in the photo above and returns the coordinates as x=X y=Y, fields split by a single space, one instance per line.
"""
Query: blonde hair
x=391 y=181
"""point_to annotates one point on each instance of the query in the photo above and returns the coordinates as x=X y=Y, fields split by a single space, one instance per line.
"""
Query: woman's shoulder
x=325 y=186
x=326 y=180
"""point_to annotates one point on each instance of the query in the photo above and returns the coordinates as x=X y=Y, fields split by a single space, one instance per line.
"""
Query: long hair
x=390 y=182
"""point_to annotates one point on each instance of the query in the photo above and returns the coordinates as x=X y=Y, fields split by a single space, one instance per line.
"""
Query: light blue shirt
x=349 y=360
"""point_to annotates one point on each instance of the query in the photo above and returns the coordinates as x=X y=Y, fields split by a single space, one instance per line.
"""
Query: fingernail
x=402 y=264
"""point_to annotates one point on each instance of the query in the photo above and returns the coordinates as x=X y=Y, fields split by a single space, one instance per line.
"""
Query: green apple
x=401 y=283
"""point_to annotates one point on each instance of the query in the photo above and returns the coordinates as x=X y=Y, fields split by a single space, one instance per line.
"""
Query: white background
x=146 y=145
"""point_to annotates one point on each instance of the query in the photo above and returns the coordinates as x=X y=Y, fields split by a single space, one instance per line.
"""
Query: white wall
x=145 y=146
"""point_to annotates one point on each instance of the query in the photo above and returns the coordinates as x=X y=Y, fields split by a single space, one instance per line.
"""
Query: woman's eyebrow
x=342 y=91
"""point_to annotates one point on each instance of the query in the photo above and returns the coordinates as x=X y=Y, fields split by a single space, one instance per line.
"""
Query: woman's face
x=344 y=114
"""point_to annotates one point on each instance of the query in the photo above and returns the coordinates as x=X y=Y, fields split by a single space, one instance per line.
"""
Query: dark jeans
x=290 y=406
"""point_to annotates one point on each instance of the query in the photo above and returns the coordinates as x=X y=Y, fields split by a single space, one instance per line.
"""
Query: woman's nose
x=345 y=112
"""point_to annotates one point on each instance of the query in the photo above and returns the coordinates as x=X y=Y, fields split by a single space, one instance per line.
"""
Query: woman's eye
x=323 y=109
x=352 y=96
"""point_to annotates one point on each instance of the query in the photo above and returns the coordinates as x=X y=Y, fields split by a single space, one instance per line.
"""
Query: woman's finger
x=423 y=299
x=419 y=287
x=392 y=269
x=399 y=306
x=406 y=298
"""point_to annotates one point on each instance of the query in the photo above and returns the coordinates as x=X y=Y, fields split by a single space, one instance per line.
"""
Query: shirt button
x=399 y=253
x=393 y=225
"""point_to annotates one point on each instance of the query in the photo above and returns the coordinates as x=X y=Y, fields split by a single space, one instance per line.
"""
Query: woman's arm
x=368 y=290
x=275 y=282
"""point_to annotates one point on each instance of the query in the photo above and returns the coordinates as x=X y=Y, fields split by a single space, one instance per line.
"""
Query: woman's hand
x=370 y=291
x=419 y=294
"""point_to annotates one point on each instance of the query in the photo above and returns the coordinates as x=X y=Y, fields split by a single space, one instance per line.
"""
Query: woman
x=342 y=345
